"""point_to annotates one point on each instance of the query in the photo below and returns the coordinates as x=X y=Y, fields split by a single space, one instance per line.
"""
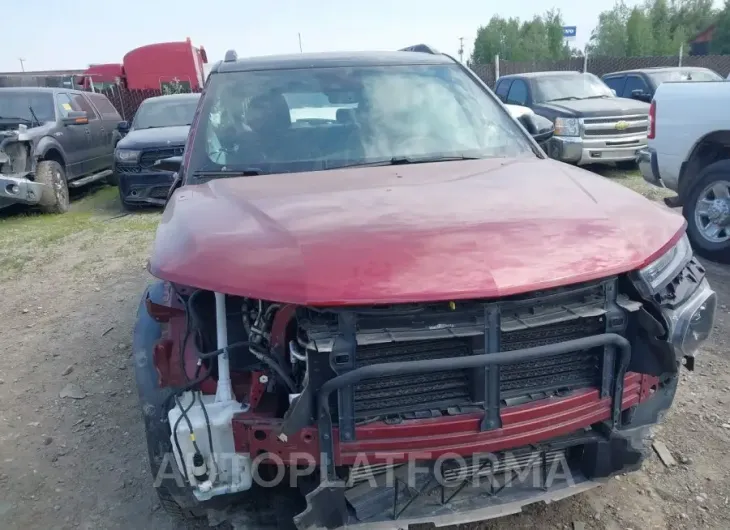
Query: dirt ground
x=69 y=287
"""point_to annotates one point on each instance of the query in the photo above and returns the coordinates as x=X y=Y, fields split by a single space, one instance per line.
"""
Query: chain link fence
x=128 y=101
x=600 y=65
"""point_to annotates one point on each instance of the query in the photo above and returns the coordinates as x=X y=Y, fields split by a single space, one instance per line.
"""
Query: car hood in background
x=155 y=137
x=588 y=108
x=396 y=234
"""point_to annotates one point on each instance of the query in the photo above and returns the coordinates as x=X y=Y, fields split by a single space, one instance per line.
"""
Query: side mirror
x=640 y=95
x=539 y=127
x=171 y=164
x=76 y=117
x=123 y=127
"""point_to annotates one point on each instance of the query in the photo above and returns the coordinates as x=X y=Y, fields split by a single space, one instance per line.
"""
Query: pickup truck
x=689 y=152
x=53 y=139
x=642 y=83
x=592 y=125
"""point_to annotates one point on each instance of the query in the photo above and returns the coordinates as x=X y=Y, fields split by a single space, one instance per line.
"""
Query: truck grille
x=615 y=127
x=150 y=156
x=450 y=392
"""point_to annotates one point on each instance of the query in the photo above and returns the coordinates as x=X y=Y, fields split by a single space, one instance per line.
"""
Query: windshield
x=15 y=107
x=684 y=75
x=164 y=112
x=315 y=119
x=564 y=87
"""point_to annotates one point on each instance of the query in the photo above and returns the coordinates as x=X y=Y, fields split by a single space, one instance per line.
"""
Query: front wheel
x=55 y=197
x=707 y=211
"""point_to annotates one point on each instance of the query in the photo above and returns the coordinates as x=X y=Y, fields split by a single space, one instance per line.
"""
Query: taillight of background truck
x=652 y=120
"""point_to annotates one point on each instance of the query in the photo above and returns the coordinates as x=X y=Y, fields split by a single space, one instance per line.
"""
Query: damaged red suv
x=381 y=304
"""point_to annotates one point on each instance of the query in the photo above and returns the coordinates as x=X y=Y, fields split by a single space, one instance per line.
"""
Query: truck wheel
x=113 y=179
x=707 y=211
x=55 y=192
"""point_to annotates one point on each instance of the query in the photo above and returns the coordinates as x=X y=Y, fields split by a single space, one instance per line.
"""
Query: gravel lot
x=70 y=287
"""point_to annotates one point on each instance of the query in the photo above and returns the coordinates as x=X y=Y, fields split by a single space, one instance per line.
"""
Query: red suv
x=380 y=303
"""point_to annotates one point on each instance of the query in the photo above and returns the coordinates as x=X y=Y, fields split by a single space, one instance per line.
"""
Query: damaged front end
x=17 y=166
x=443 y=412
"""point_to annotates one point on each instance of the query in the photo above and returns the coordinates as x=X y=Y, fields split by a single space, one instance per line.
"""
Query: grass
x=633 y=180
x=94 y=225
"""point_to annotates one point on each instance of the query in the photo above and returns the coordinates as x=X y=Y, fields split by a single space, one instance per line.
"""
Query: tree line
x=656 y=28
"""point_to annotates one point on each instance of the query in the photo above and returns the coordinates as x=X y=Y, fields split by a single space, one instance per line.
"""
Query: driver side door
x=74 y=139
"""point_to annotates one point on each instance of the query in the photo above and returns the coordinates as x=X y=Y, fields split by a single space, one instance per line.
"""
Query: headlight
x=691 y=323
x=127 y=155
x=665 y=268
x=566 y=127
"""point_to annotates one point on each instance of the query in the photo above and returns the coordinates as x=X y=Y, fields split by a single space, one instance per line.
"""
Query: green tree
x=609 y=37
x=721 y=36
x=691 y=15
x=639 y=36
x=535 y=39
x=661 y=28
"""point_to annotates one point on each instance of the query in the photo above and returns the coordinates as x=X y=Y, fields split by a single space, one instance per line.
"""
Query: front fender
x=153 y=399
x=47 y=143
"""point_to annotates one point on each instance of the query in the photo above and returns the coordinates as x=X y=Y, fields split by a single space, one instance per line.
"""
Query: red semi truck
x=155 y=66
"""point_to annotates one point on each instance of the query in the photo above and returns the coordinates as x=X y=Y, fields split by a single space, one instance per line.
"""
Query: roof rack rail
x=421 y=48
x=231 y=56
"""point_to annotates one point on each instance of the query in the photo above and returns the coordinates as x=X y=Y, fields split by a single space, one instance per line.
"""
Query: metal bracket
x=492 y=339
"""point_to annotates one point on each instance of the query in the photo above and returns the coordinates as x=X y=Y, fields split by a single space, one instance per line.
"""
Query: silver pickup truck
x=592 y=125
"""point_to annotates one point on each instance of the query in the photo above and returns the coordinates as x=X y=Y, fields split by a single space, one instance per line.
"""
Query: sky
x=75 y=33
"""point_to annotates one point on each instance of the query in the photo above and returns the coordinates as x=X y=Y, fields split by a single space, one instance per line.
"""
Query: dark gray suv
x=52 y=139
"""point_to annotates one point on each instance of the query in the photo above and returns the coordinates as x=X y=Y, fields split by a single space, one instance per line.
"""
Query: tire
x=55 y=197
x=113 y=179
x=626 y=165
x=287 y=504
x=716 y=176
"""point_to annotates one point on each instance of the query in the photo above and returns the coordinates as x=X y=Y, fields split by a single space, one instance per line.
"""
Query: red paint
x=453 y=230
x=379 y=442
x=256 y=389
x=148 y=66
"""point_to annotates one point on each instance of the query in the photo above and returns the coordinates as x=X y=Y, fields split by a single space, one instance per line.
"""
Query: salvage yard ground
x=70 y=286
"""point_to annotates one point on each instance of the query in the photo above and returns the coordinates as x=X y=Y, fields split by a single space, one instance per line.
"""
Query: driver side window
x=64 y=104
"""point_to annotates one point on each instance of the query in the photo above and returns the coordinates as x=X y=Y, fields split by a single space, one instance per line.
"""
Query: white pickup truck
x=689 y=152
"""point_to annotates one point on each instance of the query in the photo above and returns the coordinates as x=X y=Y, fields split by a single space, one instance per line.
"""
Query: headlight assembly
x=127 y=155
x=665 y=268
x=567 y=127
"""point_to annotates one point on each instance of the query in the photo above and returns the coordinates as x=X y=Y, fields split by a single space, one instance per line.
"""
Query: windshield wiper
x=246 y=172
x=597 y=97
x=563 y=99
x=405 y=160
x=35 y=117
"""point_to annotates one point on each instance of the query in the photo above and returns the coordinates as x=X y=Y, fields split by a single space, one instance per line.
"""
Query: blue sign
x=569 y=31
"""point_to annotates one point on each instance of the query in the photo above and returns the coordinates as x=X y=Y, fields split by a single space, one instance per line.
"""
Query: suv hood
x=154 y=137
x=395 y=234
x=590 y=108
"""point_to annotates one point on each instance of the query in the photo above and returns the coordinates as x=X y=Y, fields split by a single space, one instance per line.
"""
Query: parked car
x=159 y=130
x=52 y=139
x=689 y=153
x=642 y=83
x=412 y=278
x=592 y=125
